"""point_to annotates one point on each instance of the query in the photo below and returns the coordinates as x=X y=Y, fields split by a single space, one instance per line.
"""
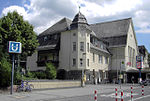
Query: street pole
x=140 y=74
x=117 y=74
x=120 y=75
x=12 y=73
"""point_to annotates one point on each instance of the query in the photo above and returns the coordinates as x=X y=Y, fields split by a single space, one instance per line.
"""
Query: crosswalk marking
x=112 y=95
x=141 y=97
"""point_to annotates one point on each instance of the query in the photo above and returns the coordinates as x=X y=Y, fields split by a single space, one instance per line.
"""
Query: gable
x=114 y=32
x=131 y=37
x=61 y=25
x=111 y=29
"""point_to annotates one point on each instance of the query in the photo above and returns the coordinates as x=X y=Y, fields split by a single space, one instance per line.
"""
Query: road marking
x=140 y=97
x=125 y=94
x=19 y=97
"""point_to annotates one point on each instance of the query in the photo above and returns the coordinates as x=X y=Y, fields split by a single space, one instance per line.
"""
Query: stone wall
x=49 y=84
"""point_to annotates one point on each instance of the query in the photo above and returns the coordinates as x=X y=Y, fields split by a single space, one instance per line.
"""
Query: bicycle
x=28 y=87
x=25 y=87
x=20 y=87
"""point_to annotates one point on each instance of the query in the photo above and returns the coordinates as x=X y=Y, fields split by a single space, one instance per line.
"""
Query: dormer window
x=45 y=38
x=55 y=36
x=102 y=46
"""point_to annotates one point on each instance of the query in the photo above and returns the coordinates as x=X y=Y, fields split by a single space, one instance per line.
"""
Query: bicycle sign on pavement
x=14 y=47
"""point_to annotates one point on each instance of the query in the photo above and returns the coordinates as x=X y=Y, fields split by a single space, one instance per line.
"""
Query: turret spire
x=79 y=8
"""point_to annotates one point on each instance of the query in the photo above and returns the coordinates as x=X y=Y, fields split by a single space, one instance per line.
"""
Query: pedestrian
x=132 y=79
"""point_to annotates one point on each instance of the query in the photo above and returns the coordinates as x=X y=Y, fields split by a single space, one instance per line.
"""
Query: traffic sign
x=138 y=65
x=14 y=47
x=139 y=58
x=139 y=61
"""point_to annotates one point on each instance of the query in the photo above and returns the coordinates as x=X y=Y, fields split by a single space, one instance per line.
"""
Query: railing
x=43 y=63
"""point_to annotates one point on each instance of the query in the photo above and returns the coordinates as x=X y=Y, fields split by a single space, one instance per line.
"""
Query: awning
x=131 y=70
x=135 y=70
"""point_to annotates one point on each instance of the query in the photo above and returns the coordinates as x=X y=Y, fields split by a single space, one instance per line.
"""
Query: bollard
x=142 y=89
x=121 y=95
x=116 y=93
x=95 y=95
x=131 y=93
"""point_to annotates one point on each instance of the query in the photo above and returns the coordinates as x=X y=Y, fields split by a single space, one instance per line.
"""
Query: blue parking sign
x=14 y=47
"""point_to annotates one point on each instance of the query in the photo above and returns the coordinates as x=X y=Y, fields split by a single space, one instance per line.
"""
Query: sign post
x=12 y=73
x=14 y=47
x=139 y=60
x=121 y=75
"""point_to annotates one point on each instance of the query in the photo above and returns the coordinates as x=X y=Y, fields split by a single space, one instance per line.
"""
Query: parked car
x=145 y=82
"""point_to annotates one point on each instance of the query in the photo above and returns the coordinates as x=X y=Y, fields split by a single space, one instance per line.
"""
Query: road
x=104 y=93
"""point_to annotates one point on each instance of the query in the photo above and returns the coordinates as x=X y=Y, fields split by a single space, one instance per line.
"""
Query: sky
x=44 y=13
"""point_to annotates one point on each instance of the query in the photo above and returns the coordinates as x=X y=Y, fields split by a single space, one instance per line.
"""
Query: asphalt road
x=104 y=93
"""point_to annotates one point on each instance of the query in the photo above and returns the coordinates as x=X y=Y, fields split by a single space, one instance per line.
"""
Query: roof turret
x=78 y=20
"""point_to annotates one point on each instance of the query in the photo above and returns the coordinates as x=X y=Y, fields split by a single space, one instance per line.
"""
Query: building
x=103 y=50
x=145 y=65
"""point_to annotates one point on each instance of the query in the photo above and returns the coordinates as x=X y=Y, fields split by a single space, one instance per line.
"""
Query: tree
x=14 y=28
x=149 y=60
x=5 y=72
x=50 y=71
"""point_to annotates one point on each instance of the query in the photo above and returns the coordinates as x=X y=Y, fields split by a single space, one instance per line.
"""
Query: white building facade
x=102 y=50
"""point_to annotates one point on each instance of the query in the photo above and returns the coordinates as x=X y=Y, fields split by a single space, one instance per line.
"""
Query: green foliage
x=149 y=59
x=29 y=74
x=40 y=75
x=50 y=71
x=17 y=77
x=14 y=28
x=5 y=72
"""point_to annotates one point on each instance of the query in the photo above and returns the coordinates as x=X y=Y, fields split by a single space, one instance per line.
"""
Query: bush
x=17 y=77
x=50 y=71
x=5 y=73
x=29 y=74
x=39 y=74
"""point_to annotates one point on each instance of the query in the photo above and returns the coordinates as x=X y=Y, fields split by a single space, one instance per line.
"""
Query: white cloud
x=19 y=9
x=144 y=31
x=108 y=9
x=43 y=13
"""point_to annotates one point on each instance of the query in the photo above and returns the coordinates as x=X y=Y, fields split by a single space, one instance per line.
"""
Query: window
x=102 y=46
x=96 y=42
x=45 y=38
x=82 y=34
x=133 y=55
x=55 y=36
x=130 y=54
x=88 y=34
x=81 y=62
x=81 y=46
x=87 y=62
x=88 y=47
x=74 y=62
x=100 y=59
x=93 y=57
x=74 y=46
x=106 y=60
x=74 y=34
